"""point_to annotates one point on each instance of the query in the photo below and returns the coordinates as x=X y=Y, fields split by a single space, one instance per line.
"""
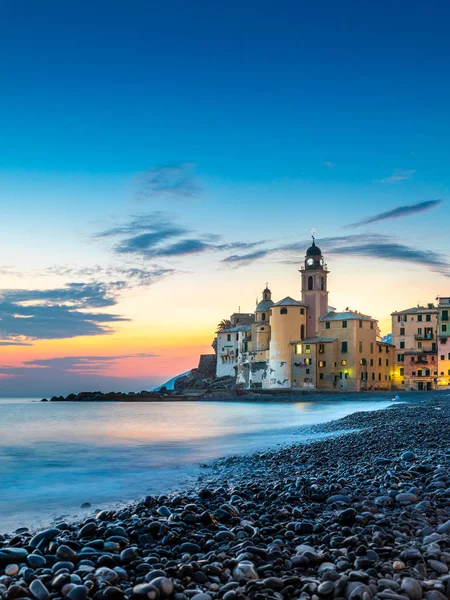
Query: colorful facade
x=303 y=344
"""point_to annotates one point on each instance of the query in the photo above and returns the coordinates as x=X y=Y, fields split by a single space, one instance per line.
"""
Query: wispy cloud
x=66 y=312
x=175 y=181
x=156 y=236
x=399 y=212
x=82 y=364
x=370 y=245
x=399 y=175
x=118 y=277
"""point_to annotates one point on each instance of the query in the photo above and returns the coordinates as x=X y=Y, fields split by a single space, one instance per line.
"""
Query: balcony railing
x=423 y=336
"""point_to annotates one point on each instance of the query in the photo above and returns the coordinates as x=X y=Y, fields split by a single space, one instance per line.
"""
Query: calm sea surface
x=55 y=456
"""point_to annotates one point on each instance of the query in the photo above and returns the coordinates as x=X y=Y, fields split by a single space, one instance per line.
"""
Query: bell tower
x=314 y=288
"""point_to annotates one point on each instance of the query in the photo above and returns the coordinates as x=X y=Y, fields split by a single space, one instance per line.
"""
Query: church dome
x=264 y=305
x=314 y=250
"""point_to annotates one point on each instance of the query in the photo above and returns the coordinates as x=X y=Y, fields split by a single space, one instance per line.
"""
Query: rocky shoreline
x=360 y=516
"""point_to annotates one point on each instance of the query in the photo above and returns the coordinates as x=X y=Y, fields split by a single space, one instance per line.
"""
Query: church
x=304 y=344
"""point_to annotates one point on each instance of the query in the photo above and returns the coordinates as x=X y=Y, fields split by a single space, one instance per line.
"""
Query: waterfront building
x=416 y=355
x=305 y=344
x=443 y=333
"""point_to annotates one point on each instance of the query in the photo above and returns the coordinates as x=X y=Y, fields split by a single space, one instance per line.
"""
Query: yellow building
x=416 y=356
x=302 y=344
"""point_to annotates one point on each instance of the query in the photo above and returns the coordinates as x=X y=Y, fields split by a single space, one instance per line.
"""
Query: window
x=419 y=372
x=419 y=344
x=229 y=337
x=442 y=356
x=419 y=331
x=371 y=362
x=343 y=362
x=283 y=311
x=371 y=347
x=402 y=344
x=401 y=358
x=387 y=362
x=427 y=372
x=344 y=324
x=263 y=317
x=360 y=346
x=237 y=337
x=448 y=356
x=379 y=362
x=322 y=283
x=265 y=296
x=307 y=361
x=373 y=376
x=302 y=332
x=413 y=373
x=307 y=349
x=444 y=327
x=302 y=311
x=322 y=363
x=371 y=324
x=321 y=348
x=346 y=375
x=402 y=331
x=307 y=371
x=310 y=282
x=412 y=358
x=444 y=315
x=379 y=376
x=363 y=361
x=360 y=324
x=237 y=352
x=380 y=349
x=298 y=348
x=320 y=375
x=343 y=346
x=402 y=371
x=428 y=318
x=327 y=325
x=419 y=318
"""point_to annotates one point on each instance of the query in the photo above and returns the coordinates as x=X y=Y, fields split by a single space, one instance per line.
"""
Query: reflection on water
x=55 y=456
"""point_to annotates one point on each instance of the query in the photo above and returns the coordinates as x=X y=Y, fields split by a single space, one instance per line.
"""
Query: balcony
x=424 y=336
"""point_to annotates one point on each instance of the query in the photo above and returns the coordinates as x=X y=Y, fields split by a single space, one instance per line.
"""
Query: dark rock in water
x=408 y=456
x=79 y=592
x=38 y=589
x=44 y=536
x=12 y=555
x=86 y=505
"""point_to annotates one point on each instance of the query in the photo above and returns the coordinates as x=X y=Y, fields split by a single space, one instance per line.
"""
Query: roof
x=316 y=340
x=314 y=250
x=288 y=301
x=416 y=310
x=236 y=329
x=264 y=305
x=385 y=344
x=345 y=316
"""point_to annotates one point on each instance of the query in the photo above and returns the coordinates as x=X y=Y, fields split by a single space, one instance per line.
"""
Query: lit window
x=343 y=362
x=322 y=363
x=298 y=348
x=307 y=349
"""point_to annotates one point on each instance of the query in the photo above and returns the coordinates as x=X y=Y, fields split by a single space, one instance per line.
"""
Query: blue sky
x=270 y=118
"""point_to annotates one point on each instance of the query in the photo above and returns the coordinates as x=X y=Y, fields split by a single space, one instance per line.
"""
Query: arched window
x=265 y=296
x=322 y=283
x=302 y=332
x=263 y=317
x=283 y=311
x=310 y=282
x=262 y=329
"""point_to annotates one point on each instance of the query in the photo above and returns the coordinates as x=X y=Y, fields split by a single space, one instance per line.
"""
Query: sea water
x=55 y=456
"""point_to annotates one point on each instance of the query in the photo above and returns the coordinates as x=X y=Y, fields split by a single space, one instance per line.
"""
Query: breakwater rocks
x=362 y=516
x=109 y=396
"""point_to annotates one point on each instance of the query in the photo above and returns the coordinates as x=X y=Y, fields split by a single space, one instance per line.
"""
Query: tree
x=224 y=324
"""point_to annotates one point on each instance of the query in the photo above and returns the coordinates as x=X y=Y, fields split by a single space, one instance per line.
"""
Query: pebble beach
x=364 y=514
